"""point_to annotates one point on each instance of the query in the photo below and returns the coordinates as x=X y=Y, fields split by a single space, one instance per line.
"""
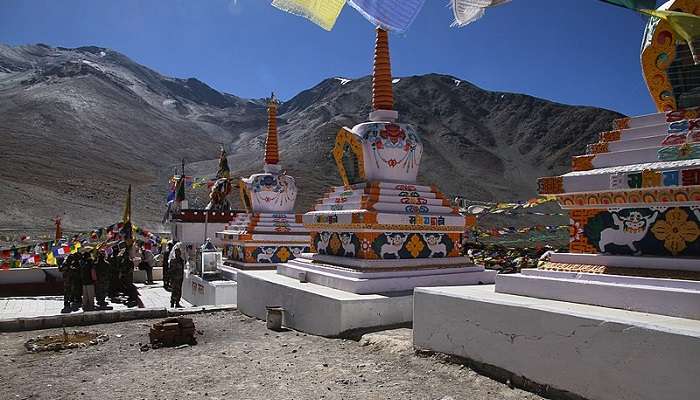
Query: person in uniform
x=114 y=279
x=102 y=269
x=87 y=278
x=64 y=268
x=126 y=270
x=76 y=282
x=177 y=274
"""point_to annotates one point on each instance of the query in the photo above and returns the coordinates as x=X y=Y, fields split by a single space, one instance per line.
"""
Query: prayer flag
x=127 y=207
x=321 y=12
x=391 y=15
x=632 y=4
x=180 y=190
x=468 y=11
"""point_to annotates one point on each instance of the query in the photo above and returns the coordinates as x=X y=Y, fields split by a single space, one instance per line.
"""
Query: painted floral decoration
x=283 y=254
x=335 y=243
x=415 y=246
x=676 y=231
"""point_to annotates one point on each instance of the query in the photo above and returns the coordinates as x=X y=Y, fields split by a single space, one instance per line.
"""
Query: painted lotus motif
x=676 y=231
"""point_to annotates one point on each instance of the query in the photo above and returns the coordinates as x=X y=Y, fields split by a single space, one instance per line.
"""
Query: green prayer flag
x=632 y=4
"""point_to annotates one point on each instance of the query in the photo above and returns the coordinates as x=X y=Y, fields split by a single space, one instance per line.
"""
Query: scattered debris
x=63 y=341
x=172 y=332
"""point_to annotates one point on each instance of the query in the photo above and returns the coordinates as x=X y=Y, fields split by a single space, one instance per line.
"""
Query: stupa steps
x=629 y=144
x=281 y=238
x=374 y=191
x=257 y=229
x=385 y=199
x=437 y=222
x=601 y=179
x=644 y=120
x=623 y=135
x=617 y=158
x=394 y=207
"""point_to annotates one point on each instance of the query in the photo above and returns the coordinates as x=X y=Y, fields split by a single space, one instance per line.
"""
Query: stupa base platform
x=317 y=309
x=591 y=351
x=673 y=297
x=201 y=292
x=384 y=276
x=244 y=266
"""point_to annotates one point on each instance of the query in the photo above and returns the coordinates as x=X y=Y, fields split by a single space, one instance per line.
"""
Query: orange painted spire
x=272 y=156
x=382 y=92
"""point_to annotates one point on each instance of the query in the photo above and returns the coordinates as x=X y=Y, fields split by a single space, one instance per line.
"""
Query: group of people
x=90 y=276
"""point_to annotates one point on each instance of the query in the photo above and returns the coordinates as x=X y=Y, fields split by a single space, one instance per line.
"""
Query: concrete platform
x=201 y=292
x=317 y=309
x=672 y=297
x=591 y=351
x=376 y=280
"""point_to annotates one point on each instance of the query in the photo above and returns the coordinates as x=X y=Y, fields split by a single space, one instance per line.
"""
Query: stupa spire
x=382 y=92
x=272 y=156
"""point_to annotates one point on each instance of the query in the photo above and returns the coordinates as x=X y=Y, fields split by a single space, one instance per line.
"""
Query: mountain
x=78 y=125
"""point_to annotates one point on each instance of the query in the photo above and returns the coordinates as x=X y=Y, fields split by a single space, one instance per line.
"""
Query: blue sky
x=579 y=52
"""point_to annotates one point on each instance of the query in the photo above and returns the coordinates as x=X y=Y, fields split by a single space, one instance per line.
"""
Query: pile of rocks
x=172 y=332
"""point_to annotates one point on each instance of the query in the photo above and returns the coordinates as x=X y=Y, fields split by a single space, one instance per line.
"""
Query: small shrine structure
x=269 y=232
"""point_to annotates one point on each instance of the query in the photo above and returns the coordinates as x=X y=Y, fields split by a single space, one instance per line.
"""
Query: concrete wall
x=316 y=309
x=199 y=292
x=595 y=352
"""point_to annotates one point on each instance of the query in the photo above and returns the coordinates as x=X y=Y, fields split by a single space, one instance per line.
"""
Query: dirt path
x=237 y=358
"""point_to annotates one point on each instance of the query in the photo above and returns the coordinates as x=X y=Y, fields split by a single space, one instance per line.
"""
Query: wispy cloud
x=235 y=7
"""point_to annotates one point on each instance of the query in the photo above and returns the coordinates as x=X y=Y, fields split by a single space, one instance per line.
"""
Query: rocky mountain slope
x=78 y=125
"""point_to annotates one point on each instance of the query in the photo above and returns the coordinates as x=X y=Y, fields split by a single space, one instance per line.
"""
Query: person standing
x=76 y=282
x=126 y=270
x=146 y=264
x=88 y=277
x=114 y=281
x=166 y=265
x=102 y=268
x=177 y=274
x=64 y=268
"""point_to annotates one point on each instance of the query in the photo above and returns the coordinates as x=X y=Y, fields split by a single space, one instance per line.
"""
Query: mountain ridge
x=95 y=121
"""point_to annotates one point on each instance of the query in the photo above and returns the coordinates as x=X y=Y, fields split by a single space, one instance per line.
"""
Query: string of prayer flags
x=468 y=11
x=391 y=15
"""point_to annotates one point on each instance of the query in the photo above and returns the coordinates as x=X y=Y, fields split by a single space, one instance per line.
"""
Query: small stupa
x=268 y=232
x=381 y=231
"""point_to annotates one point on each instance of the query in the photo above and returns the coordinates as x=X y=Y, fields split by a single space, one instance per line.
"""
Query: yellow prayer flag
x=127 y=207
x=50 y=259
x=321 y=12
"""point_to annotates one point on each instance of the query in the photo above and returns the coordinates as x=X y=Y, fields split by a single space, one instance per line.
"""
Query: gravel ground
x=238 y=358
